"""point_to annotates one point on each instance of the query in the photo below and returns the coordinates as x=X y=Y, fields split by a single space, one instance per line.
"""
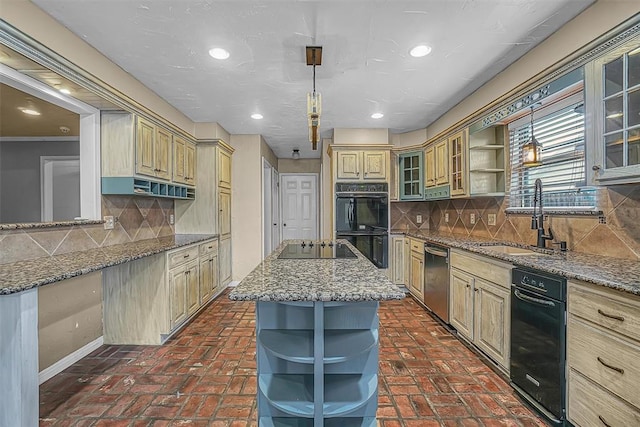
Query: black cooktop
x=311 y=250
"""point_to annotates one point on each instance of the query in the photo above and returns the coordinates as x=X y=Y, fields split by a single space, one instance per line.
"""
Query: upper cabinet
x=411 y=175
x=487 y=161
x=436 y=170
x=458 y=159
x=614 y=102
x=361 y=165
x=139 y=157
x=184 y=161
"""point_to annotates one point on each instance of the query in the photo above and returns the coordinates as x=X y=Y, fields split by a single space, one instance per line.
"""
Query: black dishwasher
x=538 y=341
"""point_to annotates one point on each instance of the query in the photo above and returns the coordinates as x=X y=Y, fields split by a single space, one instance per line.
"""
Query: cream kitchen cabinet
x=208 y=270
x=603 y=347
x=184 y=161
x=397 y=259
x=480 y=305
x=416 y=273
x=360 y=165
x=458 y=157
x=147 y=300
x=153 y=150
x=436 y=164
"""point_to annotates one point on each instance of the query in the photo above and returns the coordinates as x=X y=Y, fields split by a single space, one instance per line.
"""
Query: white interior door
x=299 y=206
x=60 y=188
x=275 y=209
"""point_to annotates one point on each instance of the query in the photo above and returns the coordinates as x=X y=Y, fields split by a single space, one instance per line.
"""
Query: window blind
x=561 y=134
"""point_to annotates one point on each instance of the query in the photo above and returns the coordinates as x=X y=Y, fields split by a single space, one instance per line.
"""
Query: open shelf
x=292 y=394
x=345 y=393
x=344 y=344
x=308 y=422
x=146 y=187
x=487 y=161
x=487 y=147
x=289 y=344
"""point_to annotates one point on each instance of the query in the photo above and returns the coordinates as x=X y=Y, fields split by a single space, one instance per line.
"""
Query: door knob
x=284 y=224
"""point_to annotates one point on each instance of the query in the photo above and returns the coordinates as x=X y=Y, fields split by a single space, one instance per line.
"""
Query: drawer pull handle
x=210 y=247
x=186 y=256
x=620 y=370
x=610 y=316
x=602 y=420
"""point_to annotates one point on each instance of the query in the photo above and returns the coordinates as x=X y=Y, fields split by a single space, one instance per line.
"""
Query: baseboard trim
x=69 y=360
x=233 y=283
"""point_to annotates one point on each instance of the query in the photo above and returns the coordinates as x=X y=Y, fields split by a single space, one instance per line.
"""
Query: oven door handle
x=523 y=297
x=436 y=252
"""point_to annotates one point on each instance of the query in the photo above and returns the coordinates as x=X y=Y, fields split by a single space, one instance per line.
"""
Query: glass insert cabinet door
x=411 y=175
x=621 y=110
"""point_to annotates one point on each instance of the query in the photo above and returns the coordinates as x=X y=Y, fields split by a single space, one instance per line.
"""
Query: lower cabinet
x=148 y=299
x=480 y=303
x=603 y=349
x=397 y=260
x=225 y=261
x=416 y=269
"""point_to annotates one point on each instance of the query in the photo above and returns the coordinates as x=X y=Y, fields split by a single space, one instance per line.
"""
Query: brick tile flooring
x=205 y=376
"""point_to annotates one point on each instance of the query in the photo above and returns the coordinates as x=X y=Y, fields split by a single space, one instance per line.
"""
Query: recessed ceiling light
x=377 y=115
x=257 y=116
x=65 y=91
x=30 y=111
x=420 y=50
x=219 y=53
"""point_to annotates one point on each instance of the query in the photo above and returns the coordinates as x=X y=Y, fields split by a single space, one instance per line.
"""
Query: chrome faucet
x=537 y=219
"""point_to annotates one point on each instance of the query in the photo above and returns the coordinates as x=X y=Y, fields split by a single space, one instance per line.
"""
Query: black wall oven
x=362 y=218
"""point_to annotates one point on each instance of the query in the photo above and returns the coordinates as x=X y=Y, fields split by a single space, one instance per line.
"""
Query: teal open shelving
x=125 y=185
x=317 y=363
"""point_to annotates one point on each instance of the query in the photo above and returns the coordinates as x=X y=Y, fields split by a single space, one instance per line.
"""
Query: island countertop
x=342 y=279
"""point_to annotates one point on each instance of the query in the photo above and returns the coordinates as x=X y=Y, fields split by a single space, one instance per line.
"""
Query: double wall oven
x=362 y=218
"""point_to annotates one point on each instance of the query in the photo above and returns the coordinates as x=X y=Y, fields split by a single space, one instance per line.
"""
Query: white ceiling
x=366 y=66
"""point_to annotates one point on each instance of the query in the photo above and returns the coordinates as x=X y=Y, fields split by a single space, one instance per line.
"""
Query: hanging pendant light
x=532 y=150
x=314 y=100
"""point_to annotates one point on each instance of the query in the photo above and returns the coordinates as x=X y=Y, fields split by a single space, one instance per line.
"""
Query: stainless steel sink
x=512 y=250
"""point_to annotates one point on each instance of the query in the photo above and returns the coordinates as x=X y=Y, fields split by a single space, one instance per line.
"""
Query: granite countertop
x=616 y=273
x=344 y=279
x=22 y=275
x=53 y=224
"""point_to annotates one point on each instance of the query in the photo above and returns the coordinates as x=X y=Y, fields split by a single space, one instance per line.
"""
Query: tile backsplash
x=136 y=218
x=615 y=233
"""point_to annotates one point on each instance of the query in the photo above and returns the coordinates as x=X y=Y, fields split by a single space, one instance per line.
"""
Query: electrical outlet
x=171 y=219
x=491 y=219
x=108 y=222
x=419 y=219
x=446 y=217
x=472 y=218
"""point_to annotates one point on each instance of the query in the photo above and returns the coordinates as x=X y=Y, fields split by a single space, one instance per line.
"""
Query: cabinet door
x=417 y=274
x=492 y=320
x=348 y=166
x=206 y=280
x=397 y=246
x=162 y=153
x=375 y=165
x=190 y=163
x=179 y=173
x=411 y=178
x=461 y=303
x=224 y=257
x=224 y=217
x=193 y=288
x=145 y=138
x=430 y=166
x=407 y=262
x=178 y=289
x=442 y=162
x=458 y=158
x=224 y=169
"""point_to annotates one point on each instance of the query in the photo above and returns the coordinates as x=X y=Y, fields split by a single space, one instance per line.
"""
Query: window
x=560 y=128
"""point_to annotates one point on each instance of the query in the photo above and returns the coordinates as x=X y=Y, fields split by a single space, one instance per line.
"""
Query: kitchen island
x=316 y=334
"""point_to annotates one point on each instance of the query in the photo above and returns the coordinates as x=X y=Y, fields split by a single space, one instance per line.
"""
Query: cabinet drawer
x=620 y=313
x=591 y=405
x=486 y=268
x=183 y=255
x=417 y=245
x=606 y=359
x=210 y=247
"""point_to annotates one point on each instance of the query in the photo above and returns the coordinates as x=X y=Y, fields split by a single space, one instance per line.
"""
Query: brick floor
x=205 y=376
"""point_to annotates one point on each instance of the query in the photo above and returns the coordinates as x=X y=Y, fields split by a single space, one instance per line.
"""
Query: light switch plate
x=419 y=219
x=446 y=217
x=108 y=222
x=491 y=219
x=171 y=219
x=472 y=218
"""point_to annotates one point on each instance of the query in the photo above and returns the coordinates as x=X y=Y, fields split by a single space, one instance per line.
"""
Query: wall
x=138 y=218
x=596 y=20
x=299 y=166
x=268 y=154
x=408 y=139
x=616 y=233
x=69 y=317
x=246 y=204
x=20 y=176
